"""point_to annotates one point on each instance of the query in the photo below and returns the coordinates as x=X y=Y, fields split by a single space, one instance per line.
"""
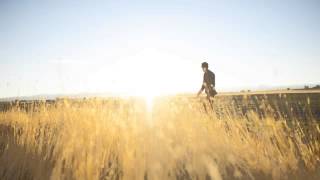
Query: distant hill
x=55 y=96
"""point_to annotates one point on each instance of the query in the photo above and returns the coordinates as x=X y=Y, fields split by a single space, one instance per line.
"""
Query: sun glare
x=150 y=73
x=149 y=101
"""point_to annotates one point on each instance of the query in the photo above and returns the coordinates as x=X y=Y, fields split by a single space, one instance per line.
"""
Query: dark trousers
x=210 y=101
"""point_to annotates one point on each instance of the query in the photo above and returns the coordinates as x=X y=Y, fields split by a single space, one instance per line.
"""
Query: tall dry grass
x=175 y=139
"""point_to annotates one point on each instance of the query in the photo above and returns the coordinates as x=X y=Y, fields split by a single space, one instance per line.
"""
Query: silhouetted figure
x=208 y=84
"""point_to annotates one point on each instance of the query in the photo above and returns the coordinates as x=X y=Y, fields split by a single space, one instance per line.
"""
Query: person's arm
x=202 y=88
x=200 y=91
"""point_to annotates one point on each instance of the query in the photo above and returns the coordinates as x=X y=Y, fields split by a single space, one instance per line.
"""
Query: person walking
x=208 y=84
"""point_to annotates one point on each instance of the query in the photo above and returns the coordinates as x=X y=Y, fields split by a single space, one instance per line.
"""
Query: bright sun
x=151 y=73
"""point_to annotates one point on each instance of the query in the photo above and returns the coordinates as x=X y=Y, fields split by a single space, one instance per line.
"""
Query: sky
x=156 y=47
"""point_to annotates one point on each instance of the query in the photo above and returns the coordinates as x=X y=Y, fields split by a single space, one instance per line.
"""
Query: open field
x=245 y=136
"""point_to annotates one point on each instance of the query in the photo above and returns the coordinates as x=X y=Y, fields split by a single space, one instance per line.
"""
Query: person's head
x=205 y=66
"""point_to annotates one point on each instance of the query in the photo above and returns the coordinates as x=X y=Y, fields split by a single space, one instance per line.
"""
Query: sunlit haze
x=160 y=90
x=149 y=48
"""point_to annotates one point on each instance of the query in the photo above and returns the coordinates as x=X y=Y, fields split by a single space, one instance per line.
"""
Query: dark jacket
x=210 y=80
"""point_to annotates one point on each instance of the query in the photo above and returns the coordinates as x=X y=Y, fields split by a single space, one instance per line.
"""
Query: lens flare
x=149 y=101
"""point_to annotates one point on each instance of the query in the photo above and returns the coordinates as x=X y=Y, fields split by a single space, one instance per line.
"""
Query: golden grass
x=176 y=139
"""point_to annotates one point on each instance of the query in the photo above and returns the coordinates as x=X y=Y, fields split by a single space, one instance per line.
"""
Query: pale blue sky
x=49 y=47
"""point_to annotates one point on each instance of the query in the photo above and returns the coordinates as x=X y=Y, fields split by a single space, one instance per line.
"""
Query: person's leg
x=205 y=106
x=210 y=102
x=210 y=99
